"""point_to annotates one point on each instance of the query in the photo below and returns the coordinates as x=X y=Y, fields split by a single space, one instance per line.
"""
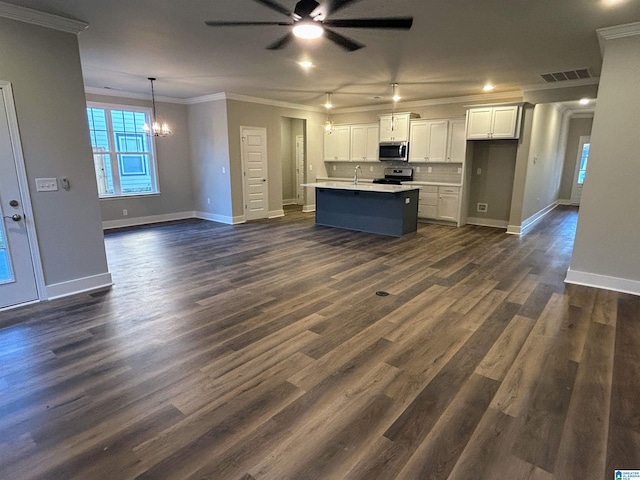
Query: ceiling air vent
x=568 y=75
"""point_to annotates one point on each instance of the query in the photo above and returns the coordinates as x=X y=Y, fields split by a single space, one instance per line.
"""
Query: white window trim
x=152 y=149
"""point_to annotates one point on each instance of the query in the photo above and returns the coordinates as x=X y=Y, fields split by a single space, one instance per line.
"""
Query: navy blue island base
x=386 y=210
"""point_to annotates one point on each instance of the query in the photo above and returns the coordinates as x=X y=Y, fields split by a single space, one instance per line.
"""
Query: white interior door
x=300 y=169
x=17 y=274
x=254 y=161
x=581 y=169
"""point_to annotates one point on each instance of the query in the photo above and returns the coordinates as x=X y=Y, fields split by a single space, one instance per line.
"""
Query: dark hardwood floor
x=261 y=351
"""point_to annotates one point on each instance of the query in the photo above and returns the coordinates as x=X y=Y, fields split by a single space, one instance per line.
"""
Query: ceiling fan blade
x=213 y=23
x=336 y=5
x=275 y=6
x=281 y=43
x=398 y=23
x=344 y=42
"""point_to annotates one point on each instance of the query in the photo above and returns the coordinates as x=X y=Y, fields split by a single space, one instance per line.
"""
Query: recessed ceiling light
x=584 y=101
x=488 y=87
x=305 y=64
x=308 y=30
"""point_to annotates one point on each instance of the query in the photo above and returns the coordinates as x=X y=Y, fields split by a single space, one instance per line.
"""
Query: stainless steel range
x=395 y=176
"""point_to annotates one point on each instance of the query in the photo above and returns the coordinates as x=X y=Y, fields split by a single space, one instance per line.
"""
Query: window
x=122 y=152
x=584 y=156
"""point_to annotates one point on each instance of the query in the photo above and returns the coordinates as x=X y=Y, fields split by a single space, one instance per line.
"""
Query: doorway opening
x=293 y=148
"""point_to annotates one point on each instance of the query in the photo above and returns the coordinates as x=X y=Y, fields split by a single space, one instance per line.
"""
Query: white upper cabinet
x=490 y=123
x=364 y=142
x=428 y=141
x=457 y=146
x=396 y=130
x=337 y=144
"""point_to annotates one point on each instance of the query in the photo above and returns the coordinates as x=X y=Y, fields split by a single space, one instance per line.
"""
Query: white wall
x=607 y=245
x=43 y=66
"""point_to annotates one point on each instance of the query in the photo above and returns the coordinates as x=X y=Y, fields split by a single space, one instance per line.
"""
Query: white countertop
x=367 y=180
x=362 y=187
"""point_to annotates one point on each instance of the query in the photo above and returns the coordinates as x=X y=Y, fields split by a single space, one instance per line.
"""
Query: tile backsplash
x=440 y=172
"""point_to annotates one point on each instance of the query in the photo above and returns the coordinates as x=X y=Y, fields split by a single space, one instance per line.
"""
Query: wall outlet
x=334 y=168
x=310 y=168
x=224 y=170
x=208 y=201
x=417 y=169
x=371 y=168
x=429 y=169
x=459 y=170
x=46 y=184
x=479 y=171
x=125 y=212
x=483 y=207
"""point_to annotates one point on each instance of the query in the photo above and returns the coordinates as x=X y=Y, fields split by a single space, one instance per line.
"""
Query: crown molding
x=42 y=19
x=109 y=92
x=206 y=98
x=485 y=97
x=619 y=31
x=565 y=84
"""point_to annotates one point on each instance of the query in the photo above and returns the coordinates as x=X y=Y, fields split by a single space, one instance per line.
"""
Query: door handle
x=16 y=217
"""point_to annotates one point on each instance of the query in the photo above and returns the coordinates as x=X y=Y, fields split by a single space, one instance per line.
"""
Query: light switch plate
x=46 y=184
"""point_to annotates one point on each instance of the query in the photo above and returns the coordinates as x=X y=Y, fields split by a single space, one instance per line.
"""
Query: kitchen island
x=385 y=209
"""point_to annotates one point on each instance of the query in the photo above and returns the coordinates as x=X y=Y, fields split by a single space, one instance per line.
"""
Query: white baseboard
x=603 y=281
x=487 y=222
x=308 y=208
x=566 y=201
x=276 y=214
x=135 y=221
x=290 y=201
x=212 y=217
x=79 y=285
x=532 y=220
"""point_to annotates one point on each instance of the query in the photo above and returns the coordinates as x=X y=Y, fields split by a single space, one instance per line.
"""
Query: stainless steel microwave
x=393 y=151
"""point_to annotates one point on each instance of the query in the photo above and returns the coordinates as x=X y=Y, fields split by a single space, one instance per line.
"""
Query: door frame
x=245 y=200
x=301 y=190
x=23 y=184
x=583 y=139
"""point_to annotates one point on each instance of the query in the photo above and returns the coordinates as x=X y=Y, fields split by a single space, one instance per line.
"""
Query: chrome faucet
x=355 y=174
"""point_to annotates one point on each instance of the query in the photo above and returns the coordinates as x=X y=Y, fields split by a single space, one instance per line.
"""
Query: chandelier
x=156 y=129
x=328 y=125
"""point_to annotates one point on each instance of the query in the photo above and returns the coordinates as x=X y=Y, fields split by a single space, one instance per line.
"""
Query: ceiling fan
x=308 y=20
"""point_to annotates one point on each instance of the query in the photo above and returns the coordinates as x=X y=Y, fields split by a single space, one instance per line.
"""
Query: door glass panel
x=6 y=273
x=584 y=157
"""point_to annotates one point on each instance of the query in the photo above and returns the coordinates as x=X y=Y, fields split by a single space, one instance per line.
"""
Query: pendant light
x=156 y=129
x=328 y=125
x=395 y=97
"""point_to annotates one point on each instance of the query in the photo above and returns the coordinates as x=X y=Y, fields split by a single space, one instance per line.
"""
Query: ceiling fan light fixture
x=308 y=30
x=488 y=87
x=328 y=103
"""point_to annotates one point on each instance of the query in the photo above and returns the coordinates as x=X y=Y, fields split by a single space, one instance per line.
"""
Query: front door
x=300 y=169
x=254 y=163
x=17 y=276
x=581 y=169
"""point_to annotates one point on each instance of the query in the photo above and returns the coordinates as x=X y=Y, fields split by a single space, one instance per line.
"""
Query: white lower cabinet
x=439 y=203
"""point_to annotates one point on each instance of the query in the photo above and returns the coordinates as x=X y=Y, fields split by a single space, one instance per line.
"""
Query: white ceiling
x=453 y=49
